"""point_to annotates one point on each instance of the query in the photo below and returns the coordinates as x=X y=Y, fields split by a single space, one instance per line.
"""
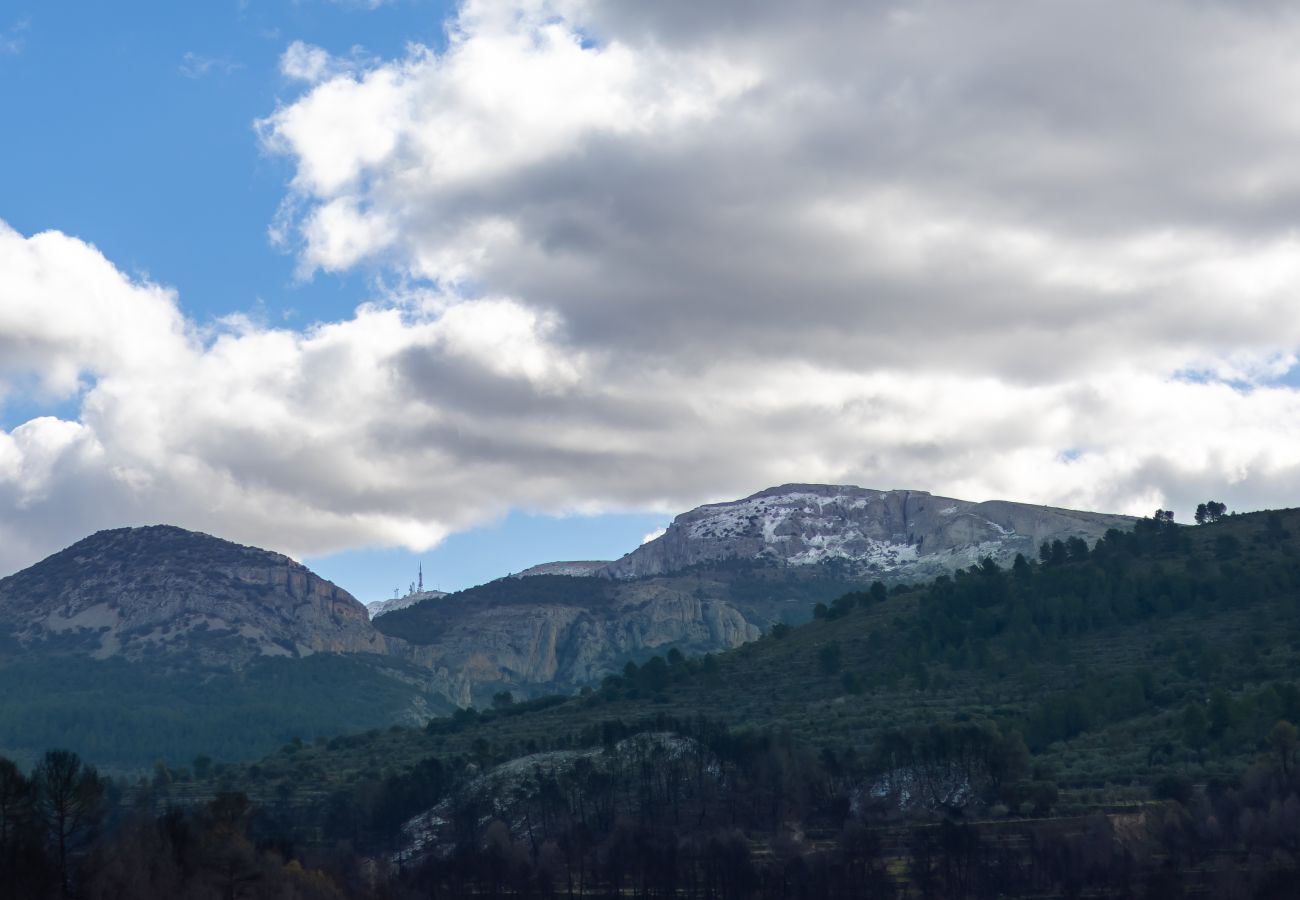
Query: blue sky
x=615 y=260
x=137 y=136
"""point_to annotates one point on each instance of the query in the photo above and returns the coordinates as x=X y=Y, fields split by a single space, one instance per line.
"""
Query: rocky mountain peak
x=898 y=532
x=140 y=592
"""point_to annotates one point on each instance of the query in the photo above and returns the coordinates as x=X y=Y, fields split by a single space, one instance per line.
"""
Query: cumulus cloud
x=977 y=189
x=652 y=255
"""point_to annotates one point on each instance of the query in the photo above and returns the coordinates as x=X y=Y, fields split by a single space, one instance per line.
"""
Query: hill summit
x=899 y=533
x=145 y=592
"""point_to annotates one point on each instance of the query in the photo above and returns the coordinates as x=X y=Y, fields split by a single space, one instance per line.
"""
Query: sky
x=481 y=285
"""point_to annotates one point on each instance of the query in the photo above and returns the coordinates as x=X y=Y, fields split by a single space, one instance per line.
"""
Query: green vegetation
x=128 y=715
x=1096 y=721
x=426 y=622
x=1094 y=656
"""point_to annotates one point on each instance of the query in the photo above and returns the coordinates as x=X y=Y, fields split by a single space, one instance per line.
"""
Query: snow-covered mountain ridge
x=890 y=533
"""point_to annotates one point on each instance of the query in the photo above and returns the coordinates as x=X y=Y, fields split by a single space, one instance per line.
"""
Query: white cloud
x=311 y=64
x=653 y=535
x=196 y=65
x=305 y=62
x=945 y=187
x=653 y=255
x=13 y=38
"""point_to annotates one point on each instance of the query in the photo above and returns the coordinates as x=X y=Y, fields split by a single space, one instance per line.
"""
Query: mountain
x=549 y=633
x=143 y=643
x=379 y=607
x=1109 y=717
x=719 y=577
x=143 y=592
x=158 y=639
x=901 y=534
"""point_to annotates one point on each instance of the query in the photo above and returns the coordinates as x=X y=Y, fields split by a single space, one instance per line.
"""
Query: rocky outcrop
x=572 y=632
x=142 y=592
x=908 y=534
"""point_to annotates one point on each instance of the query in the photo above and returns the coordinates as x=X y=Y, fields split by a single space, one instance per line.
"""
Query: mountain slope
x=906 y=534
x=1168 y=651
x=549 y=633
x=145 y=643
x=1103 y=720
x=161 y=590
x=720 y=576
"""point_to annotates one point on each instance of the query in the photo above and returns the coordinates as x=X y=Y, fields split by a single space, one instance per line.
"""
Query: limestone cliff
x=550 y=633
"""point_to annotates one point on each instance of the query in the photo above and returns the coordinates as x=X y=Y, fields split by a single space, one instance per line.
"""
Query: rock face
x=141 y=592
x=909 y=534
x=554 y=633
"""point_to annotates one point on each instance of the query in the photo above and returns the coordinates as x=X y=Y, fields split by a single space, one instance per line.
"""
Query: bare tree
x=69 y=799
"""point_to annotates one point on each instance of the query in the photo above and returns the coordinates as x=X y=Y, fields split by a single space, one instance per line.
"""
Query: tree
x=1220 y=718
x=15 y=817
x=1077 y=547
x=655 y=674
x=1020 y=568
x=1209 y=511
x=502 y=699
x=877 y=592
x=1226 y=546
x=1195 y=728
x=1274 y=531
x=829 y=658
x=1053 y=554
x=225 y=851
x=69 y=799
x=852 y=682
x=1283 y=741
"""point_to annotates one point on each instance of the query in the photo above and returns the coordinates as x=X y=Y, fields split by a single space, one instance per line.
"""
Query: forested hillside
x=1094 y=721
x=1104 y=660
